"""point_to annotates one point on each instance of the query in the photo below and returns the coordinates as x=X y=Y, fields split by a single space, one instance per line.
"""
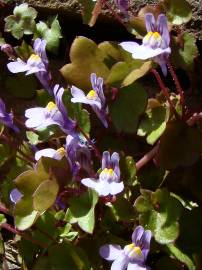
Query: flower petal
x=162 y=27
x=129 y=46
x=120 y=263
x=88 y=182
x=15 y=195
x=116 y=188
x=106 y=161
x=150 y=22
x=137 y=235
x=115 y=164
x=135 y=266
x=17 y=66
x=77 y=93
x=145 y=52
x=48 y=152
x=110 y=252
x=34 y=111
x=102 y=188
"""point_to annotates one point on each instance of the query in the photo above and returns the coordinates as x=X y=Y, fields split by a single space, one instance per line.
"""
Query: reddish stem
x=147 y=157
x=9 y=228
x=165 y=91
x=104 y=2
x=177 y=84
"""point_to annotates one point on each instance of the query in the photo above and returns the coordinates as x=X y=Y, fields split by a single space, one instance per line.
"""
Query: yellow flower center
x=51 y=106
x=132 y=251
x=108 y=171
x=92 y=94
x=154 y=35
x=61 y=151
x=35 y=57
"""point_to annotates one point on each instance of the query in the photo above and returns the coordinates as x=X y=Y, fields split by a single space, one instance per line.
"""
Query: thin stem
x=10 y=228
x=147 y=157
x=104 y=2
x=177 y=83
x=97 y=152
x=4 y=210
x=165 y=91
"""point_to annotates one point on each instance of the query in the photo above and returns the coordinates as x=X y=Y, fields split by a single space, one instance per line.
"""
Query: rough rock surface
x=73 y=8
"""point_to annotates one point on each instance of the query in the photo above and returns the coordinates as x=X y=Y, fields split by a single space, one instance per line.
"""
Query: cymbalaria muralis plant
x=102 y=145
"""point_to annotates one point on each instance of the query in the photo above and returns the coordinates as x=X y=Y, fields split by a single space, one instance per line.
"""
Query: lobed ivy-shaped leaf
x=153 y=124
x=178 y=12
x=39 y=188
x=128 y=106
x=183 y=56
x=159 y=212
x=86 y=58
x=82 y=210
x=22 y=21
x=51 y=34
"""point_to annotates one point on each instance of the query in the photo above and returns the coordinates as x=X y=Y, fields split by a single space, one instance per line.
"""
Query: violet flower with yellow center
x=155 y=44
x=95 y=98
x=37 y=63
x=50 y=152
x=132 y=256
x=108 y=182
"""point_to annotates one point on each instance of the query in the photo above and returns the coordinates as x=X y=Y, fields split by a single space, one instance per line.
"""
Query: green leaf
x=24 y=214
x=178 y=12
x=2 y=219
x=86 y=58
x=186 y=142
x=131 y=101
x=159 y=212
x=82 y=210
x=32 y=137
x=122 y=210
x=153 y=124
x=183 y=57
x=45 y=195
x=52 y=35
x=182 y=257
x=22 y=22
x=87 y=8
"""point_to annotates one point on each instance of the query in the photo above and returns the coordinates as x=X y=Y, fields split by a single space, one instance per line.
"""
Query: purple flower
x=67 y=124
x=52 y=114
x=155 y=44
x=78 y=153
x=109 y=178
x=133 y=256
x=6 y=118
x=95 y=98
x=37 y=63
x=52 y=153
x=15 y=195
x=40 y=117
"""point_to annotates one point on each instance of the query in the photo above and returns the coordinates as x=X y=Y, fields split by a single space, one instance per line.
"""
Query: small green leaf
x=45 y=195
x=153 y=124
x=87 y=8
x=32 y=137
x=2 y=219
x=51 y=34
x=24 y=214
x=183 y=57
x=82 y=209
x=178 y=12
x=22 y=22
x=159 y=212
x=122 y=210
x=129 y=105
